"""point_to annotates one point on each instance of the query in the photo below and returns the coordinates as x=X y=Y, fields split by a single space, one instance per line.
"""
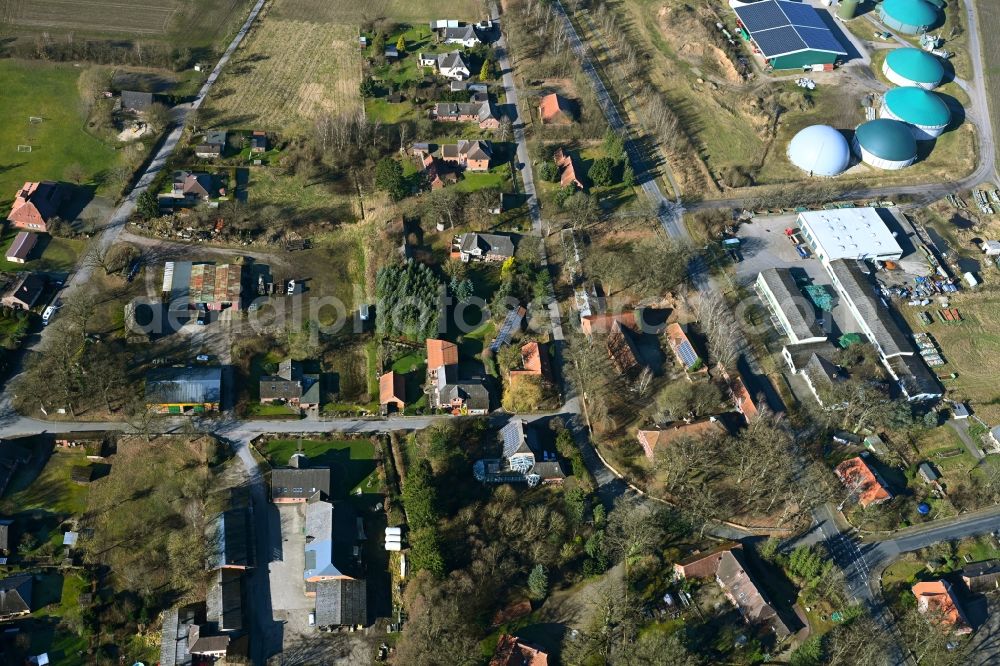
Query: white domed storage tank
x=819 y=150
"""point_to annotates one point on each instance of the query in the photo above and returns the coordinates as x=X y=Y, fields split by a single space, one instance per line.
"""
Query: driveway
x=288 y=597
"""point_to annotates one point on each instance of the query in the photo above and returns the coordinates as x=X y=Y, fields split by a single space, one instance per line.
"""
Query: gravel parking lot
x=765 y=245
x=288 y=598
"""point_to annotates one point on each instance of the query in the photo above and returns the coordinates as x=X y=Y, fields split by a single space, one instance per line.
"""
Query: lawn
x=52 y=492
x=971 y=349
x=48 y=91
x=352 y=461
x=49 y=254
x=331 y=202
x=497 y=177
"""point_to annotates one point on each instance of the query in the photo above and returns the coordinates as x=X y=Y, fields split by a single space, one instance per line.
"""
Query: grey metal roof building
x=341 y=602
x=874 y=319
x=319 y=541
x=224 y=602
x=231 y=540
x=136 y=101
x=184 y=386
x=790 y=309
x=177 y=623
x=289 y=484
x=914 y=379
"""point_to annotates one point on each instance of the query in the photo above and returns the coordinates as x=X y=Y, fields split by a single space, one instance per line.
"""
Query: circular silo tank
x=885 y=144
x=819 y=150
x=913 y=67
x=925 y=112
x=848 y=9
x=910 y=17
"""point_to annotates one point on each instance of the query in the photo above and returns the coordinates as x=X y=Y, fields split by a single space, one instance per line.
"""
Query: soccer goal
x=34 y=120
x=23 y=149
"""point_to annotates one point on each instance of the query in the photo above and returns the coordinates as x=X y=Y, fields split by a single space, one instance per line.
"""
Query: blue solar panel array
x=801 y=14
x=686 y=352
x=780 y=27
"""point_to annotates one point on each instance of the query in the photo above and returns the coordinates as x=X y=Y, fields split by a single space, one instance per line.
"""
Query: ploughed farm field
x=352 y=12
x=181 y=22
x=286 y=75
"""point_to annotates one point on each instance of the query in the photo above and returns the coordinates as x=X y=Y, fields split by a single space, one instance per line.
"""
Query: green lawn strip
x=351 y=460
x=49 y=254
x=47 y=91
x=52 y=490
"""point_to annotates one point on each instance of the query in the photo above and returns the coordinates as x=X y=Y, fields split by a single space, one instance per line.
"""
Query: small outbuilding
x=20 y=249
x=991 y=248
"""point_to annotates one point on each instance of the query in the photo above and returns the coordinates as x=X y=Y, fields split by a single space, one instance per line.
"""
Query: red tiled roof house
x=35 y=205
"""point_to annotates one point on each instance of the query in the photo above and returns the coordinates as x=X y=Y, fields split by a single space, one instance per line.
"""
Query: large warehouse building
x=209 y=286
x=848 y=233
x=788 y=35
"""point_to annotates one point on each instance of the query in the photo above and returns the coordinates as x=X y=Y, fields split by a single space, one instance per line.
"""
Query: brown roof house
x=651 y=439
x=623 y=350
x=862 y=480
x=568 y=169
x=20 y=249
x=741 y=589
x=25 y=292
x=982 y=576
x=727 y=564
x=535 y=363
x=512 y=651
x=291 y=386
x=937 y=597
x=192 y=185
x=473 y=155
x=554 y=109
x=35 y=205
x=391 y=391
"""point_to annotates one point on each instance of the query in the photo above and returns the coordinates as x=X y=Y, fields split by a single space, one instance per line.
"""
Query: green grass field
x=49 y=254
x=47 y=91
x=352 y=461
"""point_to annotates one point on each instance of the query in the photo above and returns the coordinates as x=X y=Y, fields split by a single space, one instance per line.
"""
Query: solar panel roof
x=780 y=27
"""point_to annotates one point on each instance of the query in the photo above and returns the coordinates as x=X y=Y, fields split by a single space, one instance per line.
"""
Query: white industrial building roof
x=849 y=233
